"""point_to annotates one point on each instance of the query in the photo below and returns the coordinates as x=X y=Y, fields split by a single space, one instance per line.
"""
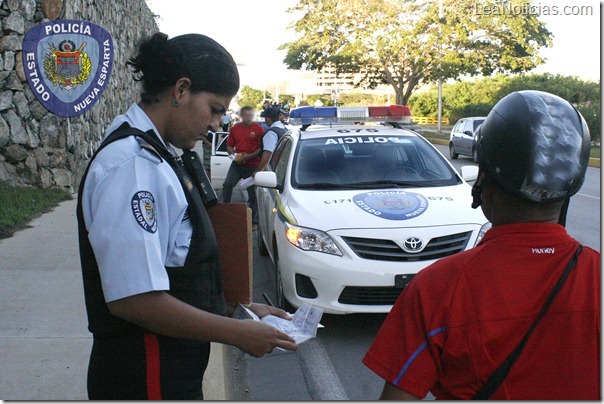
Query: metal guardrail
x=429 y=120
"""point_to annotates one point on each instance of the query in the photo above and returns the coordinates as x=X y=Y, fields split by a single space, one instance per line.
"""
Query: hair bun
x=149 y=52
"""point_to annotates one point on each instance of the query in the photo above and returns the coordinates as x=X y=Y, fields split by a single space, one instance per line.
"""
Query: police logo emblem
x=66 y=67
x=392 y=205
x=143 y=208
x=68 y=64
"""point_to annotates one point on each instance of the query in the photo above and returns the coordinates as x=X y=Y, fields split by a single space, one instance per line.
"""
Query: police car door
x=268 y=197
x=220 y=161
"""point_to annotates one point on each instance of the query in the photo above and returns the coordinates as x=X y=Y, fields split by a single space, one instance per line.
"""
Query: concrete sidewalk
x=44 y=341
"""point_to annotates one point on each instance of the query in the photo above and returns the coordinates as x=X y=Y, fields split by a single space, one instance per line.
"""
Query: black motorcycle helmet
x=534 y=145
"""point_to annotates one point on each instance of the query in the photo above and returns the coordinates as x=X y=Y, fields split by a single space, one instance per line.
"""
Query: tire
x=261 y=245
x=452 y=152
x=280 y=301
x=475 y=155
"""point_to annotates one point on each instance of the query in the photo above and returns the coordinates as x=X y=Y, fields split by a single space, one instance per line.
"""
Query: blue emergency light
x=324 y=115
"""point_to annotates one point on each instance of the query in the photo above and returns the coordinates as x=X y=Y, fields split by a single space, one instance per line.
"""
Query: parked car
x=349 y=213
x=220 y=161
x=463 y=137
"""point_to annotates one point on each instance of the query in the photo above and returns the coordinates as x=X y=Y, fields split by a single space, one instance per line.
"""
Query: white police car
x=350 y=213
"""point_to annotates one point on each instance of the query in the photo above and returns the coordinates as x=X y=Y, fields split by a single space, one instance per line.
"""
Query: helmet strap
x=563 y=212
x=480 y=184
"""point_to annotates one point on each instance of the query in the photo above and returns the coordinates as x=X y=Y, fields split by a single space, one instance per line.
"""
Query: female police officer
x=152 y=279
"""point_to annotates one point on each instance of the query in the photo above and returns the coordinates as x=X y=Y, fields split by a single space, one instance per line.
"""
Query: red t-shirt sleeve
x=406 y=352
x=232 y=134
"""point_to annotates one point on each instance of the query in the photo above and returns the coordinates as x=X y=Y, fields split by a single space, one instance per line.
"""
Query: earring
x=176 y=103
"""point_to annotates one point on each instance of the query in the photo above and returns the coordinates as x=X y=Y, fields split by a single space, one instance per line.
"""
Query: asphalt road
x=347 y=338
x=583 y=220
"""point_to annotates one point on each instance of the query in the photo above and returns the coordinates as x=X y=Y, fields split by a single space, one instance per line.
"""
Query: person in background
x=456 y=329
x=286 y=105
x=207 y=152
x=244 y=142
x=284 y=116
x=271 y=137
x=225 y=122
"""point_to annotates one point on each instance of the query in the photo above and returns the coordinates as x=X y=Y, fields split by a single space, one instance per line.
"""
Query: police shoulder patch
x=143 y=208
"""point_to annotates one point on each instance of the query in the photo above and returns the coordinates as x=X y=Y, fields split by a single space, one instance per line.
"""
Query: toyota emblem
x=413 y=245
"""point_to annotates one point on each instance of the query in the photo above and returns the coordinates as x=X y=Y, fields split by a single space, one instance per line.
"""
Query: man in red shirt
x=244 y=143
x=459 y=320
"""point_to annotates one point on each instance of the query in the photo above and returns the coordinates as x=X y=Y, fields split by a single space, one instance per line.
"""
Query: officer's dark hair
x=160 y=63
x=244 y=109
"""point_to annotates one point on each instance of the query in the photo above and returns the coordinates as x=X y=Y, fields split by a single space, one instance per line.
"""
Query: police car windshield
x=369 y=161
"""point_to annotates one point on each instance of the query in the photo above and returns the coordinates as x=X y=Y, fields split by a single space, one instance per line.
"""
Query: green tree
x=287 y=97
x=477 y=97
x=251 y=97
x=404 y=43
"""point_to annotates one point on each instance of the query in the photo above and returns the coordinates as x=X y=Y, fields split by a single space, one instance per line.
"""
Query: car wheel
x=475 y=155
x=261 y=245
x=281 y=302
x=452 y=152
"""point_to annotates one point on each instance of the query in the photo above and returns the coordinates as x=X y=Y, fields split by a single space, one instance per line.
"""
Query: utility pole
x=440 y=80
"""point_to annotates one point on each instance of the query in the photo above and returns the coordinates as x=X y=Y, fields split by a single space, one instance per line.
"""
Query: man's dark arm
x=266 y=156
x=392 y=393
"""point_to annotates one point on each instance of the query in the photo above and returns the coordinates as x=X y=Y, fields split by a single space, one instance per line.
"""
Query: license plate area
x=400 y=281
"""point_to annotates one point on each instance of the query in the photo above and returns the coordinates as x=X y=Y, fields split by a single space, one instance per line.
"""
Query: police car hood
x=384 y=208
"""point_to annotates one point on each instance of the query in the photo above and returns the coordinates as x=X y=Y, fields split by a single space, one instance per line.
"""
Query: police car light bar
x=324 y=115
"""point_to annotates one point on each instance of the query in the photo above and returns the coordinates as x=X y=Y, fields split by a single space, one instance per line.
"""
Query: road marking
x=588 y=196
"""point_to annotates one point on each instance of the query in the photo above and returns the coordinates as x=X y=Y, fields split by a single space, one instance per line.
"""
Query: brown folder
x=233 y=227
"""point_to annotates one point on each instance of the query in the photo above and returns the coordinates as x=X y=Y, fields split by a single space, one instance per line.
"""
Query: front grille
x=370 y=296
x=388 y=250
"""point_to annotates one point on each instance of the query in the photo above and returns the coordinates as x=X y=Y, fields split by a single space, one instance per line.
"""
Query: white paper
x=246 y=182
x=302 y=327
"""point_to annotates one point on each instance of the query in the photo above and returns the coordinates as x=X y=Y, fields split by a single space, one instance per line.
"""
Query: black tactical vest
x=198 y=282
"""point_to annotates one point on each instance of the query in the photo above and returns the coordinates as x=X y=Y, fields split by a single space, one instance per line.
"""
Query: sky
x=252 y=30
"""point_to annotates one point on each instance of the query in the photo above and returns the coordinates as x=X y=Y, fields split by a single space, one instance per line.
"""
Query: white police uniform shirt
x=135 y=213
x=270 y=138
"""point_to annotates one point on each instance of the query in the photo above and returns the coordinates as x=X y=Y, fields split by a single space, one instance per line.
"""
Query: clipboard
x=232 y=224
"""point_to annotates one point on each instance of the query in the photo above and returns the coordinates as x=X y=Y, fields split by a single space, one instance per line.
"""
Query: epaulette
x=143 y=144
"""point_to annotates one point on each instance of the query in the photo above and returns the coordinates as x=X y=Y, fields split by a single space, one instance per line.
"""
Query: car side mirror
x=468 y=132
x=469 y=173
x=265 y=179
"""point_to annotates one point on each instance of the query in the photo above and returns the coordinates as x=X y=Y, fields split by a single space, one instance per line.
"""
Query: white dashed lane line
x=588 y=196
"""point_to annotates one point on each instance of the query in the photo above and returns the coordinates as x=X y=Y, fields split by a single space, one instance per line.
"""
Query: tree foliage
x=476 y=98
x=251 y=97
x=404 y=43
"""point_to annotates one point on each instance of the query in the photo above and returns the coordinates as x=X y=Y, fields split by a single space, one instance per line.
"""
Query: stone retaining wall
x=36 y=147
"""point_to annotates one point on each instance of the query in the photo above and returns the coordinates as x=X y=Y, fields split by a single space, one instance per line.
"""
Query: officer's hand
x=262 y=310
x=260 y=339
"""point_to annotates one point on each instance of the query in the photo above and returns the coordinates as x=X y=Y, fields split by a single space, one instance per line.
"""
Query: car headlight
x=483 y=230
x=311 y=240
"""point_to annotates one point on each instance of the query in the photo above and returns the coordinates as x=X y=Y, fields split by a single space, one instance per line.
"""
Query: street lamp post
x=440 y=80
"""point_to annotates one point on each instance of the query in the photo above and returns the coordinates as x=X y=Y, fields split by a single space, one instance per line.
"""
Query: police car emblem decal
x=143 y=208
x=68 y=64
x=392 y=205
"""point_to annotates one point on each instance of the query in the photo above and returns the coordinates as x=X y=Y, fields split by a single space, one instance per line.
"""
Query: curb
x=594 y=162
x=441 y=142
x=214 y=377
x=307 y=374
x=321 y=377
